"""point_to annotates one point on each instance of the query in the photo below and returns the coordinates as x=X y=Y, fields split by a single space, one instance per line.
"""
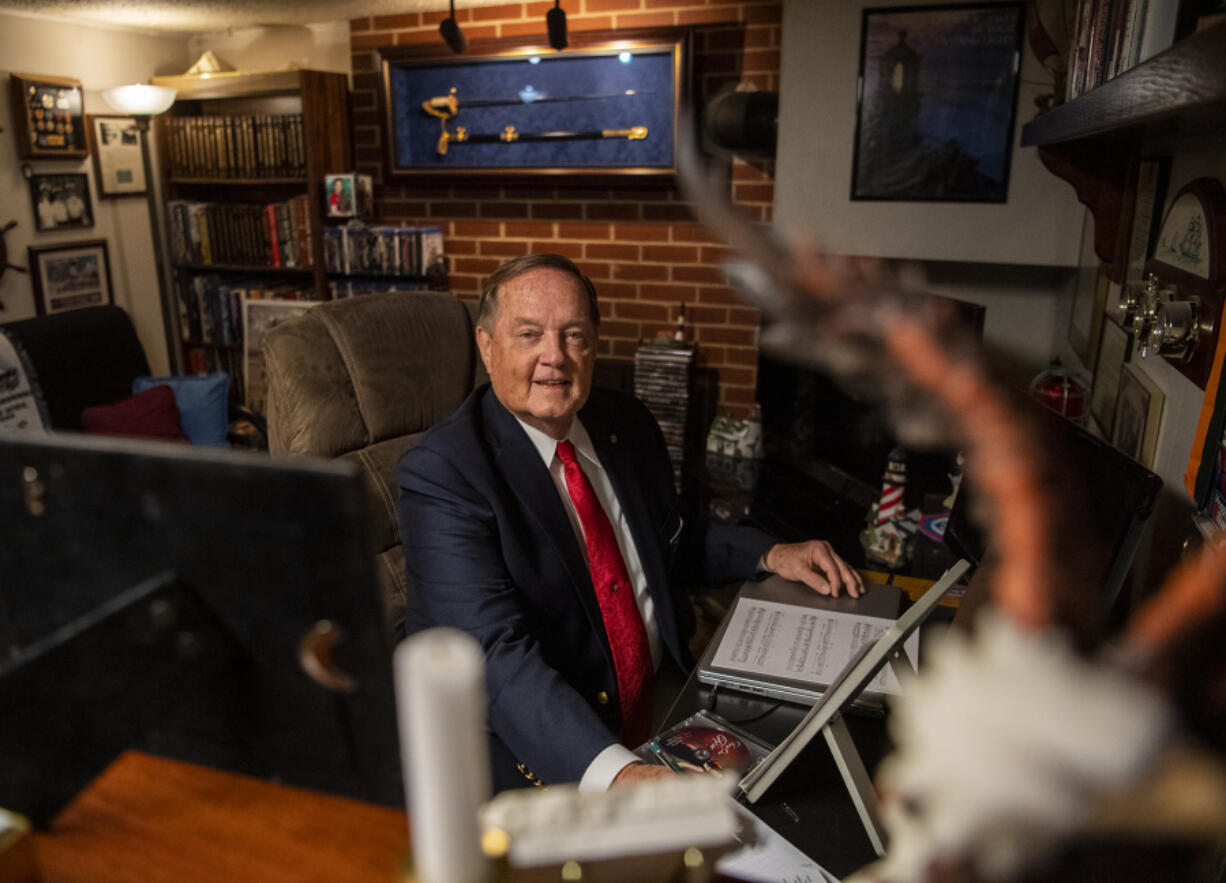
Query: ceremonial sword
x=509 y=134
x=447 y=106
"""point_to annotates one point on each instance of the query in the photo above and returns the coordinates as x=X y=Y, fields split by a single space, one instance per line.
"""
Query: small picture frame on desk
x=118 y=164
x=48 y=116
x=70 y=276
x=61 y=202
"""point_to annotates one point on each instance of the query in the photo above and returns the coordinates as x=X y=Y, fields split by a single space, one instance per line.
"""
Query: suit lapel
x=520 y=464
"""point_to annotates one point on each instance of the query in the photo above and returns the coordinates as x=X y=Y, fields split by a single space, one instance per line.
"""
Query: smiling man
x=541 y=518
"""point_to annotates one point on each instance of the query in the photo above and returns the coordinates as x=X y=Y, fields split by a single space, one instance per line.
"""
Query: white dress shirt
x=609 y=762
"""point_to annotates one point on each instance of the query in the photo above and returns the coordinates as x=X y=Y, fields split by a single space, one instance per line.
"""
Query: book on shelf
x=236 y=146
x=273 y=235
x=211 y=306
x=1111 y=37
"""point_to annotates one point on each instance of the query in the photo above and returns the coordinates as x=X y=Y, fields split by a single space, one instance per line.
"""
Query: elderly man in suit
x=541 y=518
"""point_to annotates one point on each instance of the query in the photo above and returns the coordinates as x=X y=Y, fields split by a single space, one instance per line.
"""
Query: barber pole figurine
x=886 y=539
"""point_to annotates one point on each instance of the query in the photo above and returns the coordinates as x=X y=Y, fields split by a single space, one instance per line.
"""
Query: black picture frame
x=936 y=102
x=504 y=106
x=61 y=201
x=48 y=116
x=70 y=276
x=115 y=142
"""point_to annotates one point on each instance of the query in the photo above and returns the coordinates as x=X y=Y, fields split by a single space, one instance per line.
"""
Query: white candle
x=440 y=700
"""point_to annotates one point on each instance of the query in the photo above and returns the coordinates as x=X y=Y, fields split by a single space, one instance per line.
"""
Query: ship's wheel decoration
x=4 y=254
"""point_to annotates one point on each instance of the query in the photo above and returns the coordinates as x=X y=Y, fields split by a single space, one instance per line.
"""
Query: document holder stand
x=826 y=717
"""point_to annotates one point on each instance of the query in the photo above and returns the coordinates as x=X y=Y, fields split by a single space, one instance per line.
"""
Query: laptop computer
x=882 y=601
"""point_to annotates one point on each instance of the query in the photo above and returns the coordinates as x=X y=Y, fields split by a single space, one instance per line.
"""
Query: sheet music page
x=787 y=641
x=767 y=857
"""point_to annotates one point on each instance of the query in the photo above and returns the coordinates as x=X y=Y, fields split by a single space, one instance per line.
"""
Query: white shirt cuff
x=605 y=766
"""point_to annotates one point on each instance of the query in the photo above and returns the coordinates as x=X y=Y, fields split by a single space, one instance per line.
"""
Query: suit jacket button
x=602 y=697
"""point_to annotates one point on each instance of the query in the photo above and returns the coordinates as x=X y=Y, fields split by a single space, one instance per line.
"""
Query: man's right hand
x=634 y=773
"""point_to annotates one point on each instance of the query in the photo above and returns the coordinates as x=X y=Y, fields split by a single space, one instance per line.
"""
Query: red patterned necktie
x=615 y=593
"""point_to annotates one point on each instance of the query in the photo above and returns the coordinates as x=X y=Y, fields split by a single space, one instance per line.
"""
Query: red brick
x=641 y=232
x=529 y=229
x=369 y=41
x=646 y=19
x=692 y=233
x=652 y=4
x=743 y=171
x=537 y=10
x=529 y=29
x=572 y=250
x=610 y=5
x=715 y=254
x=645 y=194
x=736 y=336
x=764 y=13
x=584 y=231
x=481 y=266
x=738 y=376
x=417 y=38
x=716 y=15
x=514 y=11
x=669 y=293
x=461 y=246
x=507 y=248
x=613 y=328
x=761 y=60
x=624 y=349
x=718 y=295
x=611 y=211
x=453 y=210
x=595 y=269
x=614 y=252
x=584 y=193
x=356 y=25
x=761 y=37
x=700 y=315
x=625 y=290
x=705 y=275
x=459 y=282
x=745 y=316
x=396 y=22
x=503 y=209
x=738 y=395
x=754 y=193
x=362 y=61
x=710 y=355
x=433 y=18
x=641 y=311
x=589 y=22
x=640 y=272
x=667 y=212
x=479 y=229
x=673 y=254
x=558 y=211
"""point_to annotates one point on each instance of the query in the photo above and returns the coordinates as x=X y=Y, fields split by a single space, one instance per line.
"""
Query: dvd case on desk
x=704 y=743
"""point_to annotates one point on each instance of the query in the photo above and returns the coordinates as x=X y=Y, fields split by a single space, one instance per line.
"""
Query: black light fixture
x=450 y=32
x=555 y=21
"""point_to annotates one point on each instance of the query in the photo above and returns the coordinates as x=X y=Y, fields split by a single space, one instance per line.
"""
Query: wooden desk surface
x=149 y=819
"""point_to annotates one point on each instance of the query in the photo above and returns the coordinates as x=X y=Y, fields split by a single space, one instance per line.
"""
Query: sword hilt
x=442 y=106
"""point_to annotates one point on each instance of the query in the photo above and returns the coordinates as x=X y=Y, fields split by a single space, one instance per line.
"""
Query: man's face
x=542 y=350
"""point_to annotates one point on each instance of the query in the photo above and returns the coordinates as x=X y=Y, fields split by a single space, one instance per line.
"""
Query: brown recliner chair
x=363 y=378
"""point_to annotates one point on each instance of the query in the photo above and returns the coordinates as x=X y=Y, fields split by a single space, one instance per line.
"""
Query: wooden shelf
x=231 y=84
x=1178 y=92
x=244 y=269
x=241 y=182
x=1094 y=141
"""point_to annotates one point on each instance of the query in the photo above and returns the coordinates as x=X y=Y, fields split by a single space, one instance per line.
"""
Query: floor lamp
x=142 y=103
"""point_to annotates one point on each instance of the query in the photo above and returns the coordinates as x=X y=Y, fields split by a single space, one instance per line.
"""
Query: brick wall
x=638 y=242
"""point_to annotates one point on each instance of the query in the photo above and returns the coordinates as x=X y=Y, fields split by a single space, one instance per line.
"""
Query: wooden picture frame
x=1138 y=416
x=61 y=201
x=936 y=102
x=1114 y=351
x=70 y=275
x=48 y=116
x=119 y=165
x=608 y=106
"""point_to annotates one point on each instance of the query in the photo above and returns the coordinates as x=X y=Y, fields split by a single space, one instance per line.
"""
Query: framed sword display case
x=606 y=105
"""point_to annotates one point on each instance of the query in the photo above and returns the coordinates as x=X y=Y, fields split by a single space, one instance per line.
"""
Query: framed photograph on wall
x=61 y=202
x=937 y=95
x=609 y=105
x=119 y=167
x=259 y=317
x=1138 y=416
x=70 y=276
x=48 y=116
x=1114 y=350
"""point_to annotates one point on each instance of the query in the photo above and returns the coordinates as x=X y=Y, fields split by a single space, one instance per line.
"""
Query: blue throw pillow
x=204 y=403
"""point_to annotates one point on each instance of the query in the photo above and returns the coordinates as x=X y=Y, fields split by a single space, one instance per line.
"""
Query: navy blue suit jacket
x=489 y=549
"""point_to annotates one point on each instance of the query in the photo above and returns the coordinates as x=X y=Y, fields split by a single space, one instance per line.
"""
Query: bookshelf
x=1094 y=141
x=243 y=158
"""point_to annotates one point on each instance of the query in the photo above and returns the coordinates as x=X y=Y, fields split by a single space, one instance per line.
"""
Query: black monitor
x=185 y=600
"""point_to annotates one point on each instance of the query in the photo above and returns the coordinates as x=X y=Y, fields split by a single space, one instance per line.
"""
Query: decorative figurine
x=887 y=539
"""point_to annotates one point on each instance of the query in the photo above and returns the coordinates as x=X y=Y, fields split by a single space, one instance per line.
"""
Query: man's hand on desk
x=815 y=564
x=634 y=773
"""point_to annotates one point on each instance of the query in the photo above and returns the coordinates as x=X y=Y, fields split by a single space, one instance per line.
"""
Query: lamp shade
x=140 y=99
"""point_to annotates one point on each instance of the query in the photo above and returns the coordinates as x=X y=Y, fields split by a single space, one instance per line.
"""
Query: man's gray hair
x=487 y=312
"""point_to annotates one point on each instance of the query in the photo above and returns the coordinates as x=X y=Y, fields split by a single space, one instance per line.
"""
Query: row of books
x=342 y=288
x=1112 y=36
x=386 y=251
x=662 y=383
x=211 y=306
x=276 y=234
x=252 y=145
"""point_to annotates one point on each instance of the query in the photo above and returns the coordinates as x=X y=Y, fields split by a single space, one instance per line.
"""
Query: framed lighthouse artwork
x=605 y=106
x=936 y=102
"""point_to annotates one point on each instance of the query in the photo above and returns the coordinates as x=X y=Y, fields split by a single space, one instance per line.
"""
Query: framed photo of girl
x=118 y=165
x=70 y=276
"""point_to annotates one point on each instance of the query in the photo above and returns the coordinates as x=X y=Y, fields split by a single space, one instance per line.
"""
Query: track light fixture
x=555 y=21
x=450 y=32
